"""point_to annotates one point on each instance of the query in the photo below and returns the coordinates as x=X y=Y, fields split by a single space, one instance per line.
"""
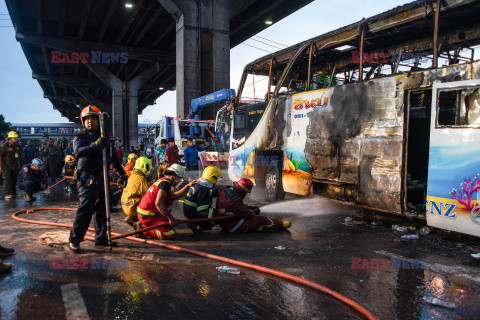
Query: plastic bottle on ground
x=399 y=229
x=440 y=303
x=410 y=236
x=226 y=269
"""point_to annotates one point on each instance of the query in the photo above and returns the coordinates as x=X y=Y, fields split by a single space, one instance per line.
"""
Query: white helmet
x=177 y=169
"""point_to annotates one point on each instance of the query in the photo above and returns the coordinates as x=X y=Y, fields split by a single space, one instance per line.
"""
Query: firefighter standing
x=137 y=186
x=68 y=173
x=51 y=153
x=156 y=205
x=88 y=145
x=198 y=201
x=231 y=199
x=10 y=164
x=31 y=179
x=132 y=157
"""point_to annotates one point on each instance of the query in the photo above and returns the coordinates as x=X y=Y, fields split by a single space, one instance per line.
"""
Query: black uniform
x=30 y=180
x=198 y=204
x=90 y=186
x=10 y=154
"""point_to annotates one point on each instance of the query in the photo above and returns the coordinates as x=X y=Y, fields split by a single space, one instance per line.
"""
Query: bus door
x=237 y=144
x=453 y=189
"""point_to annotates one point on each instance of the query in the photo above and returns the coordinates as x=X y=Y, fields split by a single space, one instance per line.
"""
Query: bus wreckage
x=383 y=113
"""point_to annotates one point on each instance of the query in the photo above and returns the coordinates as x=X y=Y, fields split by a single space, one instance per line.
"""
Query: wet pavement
x=367 y=263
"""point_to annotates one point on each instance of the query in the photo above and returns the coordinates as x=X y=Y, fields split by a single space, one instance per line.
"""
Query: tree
x=4 y=126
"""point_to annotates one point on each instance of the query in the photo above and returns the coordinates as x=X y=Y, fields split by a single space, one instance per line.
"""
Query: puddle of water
x=8 y=303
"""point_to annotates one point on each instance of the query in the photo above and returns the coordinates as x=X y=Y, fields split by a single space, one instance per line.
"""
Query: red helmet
x=244 y=185
x=89 y=111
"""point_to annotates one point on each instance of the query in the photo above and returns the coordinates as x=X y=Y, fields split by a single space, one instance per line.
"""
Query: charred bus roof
x=407 y=28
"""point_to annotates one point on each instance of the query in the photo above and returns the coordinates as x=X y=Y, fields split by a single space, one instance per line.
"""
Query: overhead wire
x=271 y=41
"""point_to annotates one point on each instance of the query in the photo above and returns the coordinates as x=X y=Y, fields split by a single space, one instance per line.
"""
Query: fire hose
x=56 y=184
x=310 y=284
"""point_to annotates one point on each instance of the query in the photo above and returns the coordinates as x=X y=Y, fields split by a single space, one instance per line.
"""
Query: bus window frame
x=437 y=107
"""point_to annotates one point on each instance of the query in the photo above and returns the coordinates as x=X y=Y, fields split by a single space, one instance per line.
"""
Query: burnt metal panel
x=358 y=141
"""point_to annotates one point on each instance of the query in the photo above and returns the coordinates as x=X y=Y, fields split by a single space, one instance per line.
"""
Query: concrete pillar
x=202 y=50
x=117 y=113
x=132 y=114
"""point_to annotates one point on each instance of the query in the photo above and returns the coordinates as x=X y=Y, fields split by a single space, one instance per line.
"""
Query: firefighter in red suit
x=156 y=205
x=231 y=199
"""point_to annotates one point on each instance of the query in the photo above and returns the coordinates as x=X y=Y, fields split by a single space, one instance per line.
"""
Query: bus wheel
x=274 y=184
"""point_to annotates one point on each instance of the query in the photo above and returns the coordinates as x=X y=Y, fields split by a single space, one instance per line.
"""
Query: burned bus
x=383 y=113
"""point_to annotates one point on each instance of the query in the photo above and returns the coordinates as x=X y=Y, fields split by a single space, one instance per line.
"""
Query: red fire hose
x=362 y=310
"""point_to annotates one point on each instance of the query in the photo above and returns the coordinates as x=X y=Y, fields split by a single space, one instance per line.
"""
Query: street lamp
x=128 y=5
x=269 y=22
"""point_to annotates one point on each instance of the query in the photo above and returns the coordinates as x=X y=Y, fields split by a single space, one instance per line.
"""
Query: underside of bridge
x=123 y=55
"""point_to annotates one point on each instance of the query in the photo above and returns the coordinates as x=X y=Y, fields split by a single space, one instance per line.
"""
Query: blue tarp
x=221 y=95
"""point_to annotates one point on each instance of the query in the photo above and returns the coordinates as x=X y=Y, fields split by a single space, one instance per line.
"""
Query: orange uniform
x=149 y=215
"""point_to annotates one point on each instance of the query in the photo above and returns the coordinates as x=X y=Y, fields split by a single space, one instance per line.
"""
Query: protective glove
x=100 y=143
x=123 y=181
x=255 y=210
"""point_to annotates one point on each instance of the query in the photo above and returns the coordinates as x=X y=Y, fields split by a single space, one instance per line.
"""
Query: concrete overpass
x=123 y=55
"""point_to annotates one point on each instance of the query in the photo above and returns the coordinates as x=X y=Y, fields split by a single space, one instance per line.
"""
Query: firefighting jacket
x=10 y=154
x=28 y=174
x=137 y=186
x=198 y=201
x=232 y=202
x=89 y=159
x=68 y=171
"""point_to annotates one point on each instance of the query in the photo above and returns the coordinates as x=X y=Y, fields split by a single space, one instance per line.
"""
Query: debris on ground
x=55 y=238
x=410 y=236
x=476 y=255
x=440 y=303
x=303 y=253
x=149 y=257
x=348 y=219
x=280 y=248
x=399 y=229
x=424 y=231
x=227 y=269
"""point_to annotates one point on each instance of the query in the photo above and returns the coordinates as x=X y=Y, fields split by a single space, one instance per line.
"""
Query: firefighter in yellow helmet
x=137 y=186
x=132 y=158
x=10 y=164
x=198 y=201
x=68 y=173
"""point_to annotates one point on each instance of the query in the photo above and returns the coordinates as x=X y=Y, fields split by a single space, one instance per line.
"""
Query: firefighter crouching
x=87 y=146
x=198 y=201
x=31 y=179
x=68 y=173
x=10 y=164
x=231 y=199
x=156 y=205
x=137 y=186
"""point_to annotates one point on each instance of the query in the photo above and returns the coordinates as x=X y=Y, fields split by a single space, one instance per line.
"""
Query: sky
x=21 y=97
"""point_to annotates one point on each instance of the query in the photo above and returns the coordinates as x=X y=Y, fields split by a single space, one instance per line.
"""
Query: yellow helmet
x=13 y=134
x=69 y=159
x=143 y=165
x=212 y=174
x=132 y=157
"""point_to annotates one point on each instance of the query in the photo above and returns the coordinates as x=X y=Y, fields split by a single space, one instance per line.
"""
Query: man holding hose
x=156 y=205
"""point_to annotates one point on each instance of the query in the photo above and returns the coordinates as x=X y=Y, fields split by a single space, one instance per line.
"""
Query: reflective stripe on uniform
x=210 y=212
x=159 y=234
x=237 y=226
x=129 y=203
x=271 y=222
x=190 y=203
x=145 y=212
x=169 y=233
x=203 y=207
x=169 y=208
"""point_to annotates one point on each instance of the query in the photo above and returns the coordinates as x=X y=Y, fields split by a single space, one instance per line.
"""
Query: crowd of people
x=145 y=191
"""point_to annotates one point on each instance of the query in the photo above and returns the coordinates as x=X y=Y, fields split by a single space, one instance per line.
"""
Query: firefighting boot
x=5 y=252
x=287 y=224
x=29 y=197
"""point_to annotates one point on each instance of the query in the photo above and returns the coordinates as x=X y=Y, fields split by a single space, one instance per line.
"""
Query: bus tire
x=273 y=184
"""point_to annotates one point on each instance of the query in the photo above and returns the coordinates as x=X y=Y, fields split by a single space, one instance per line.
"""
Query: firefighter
x=137 y=186
x=198 y=201
x=156 y=205
x=132 y=157
x=68 y=173
x=31 y=179
x=231 y=199
x=87 y=146
x=10 y=164
x=52 y=153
